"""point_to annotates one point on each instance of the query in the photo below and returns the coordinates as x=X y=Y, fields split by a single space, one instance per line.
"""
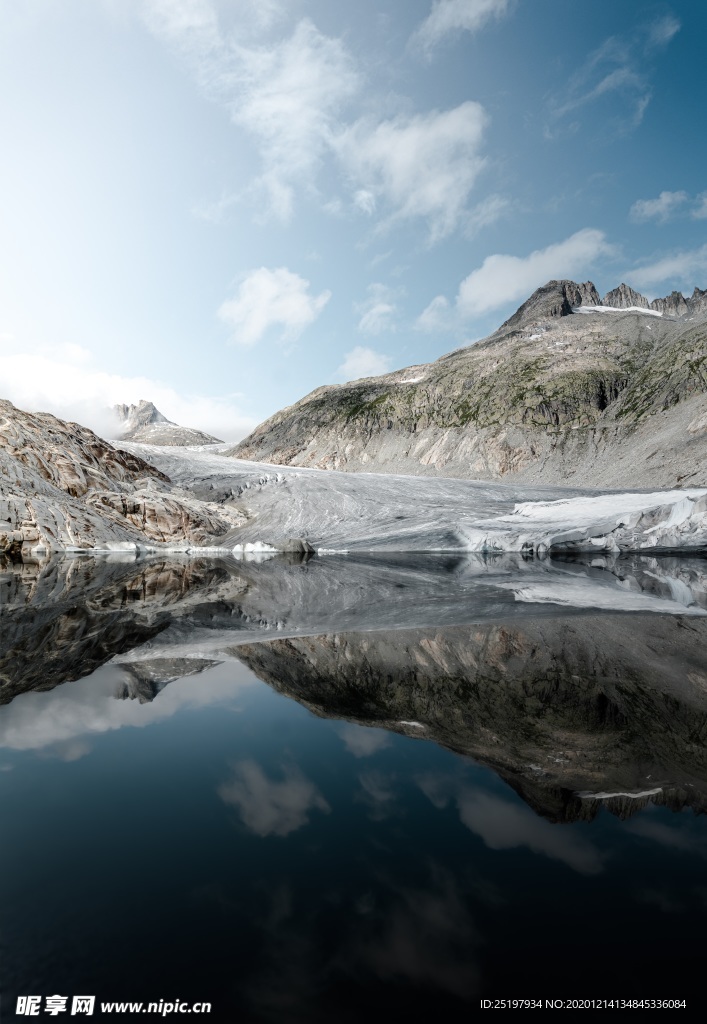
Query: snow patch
x=629 y=796
x=613 y=309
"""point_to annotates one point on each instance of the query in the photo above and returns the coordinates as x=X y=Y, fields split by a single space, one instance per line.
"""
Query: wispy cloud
x=363 y=362
x=285 y=93
x=378 y=310
x=449 y=17
x=660 y=32
x=660 y=209
x=487 y=212
x=700 y=211
x=287 y=96
x=502 y=278
x=618 y=71
x=420 y=166
x=684 y=268
x=268 y=299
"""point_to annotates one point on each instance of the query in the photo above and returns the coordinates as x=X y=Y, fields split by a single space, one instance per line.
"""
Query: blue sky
x=221 y=205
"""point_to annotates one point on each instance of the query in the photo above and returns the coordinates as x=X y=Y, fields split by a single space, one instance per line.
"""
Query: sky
x=218 y=205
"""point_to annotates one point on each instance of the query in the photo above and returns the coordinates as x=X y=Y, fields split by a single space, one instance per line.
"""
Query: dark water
x=316 y=825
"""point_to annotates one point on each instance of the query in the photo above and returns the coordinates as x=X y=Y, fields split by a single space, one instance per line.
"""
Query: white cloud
x=62 y=721
x=502 y=278
x=364 y=201
x=363 y=362
x=271 y=298
x=438 y=316
x=268 y=807
x=682 y=269
x=619 y=70
x=486 y=212
x=421 y=166
x=287 y=94
x=377 y=311
x=503 y=826
x=65 y=381
x=609 y=70
x=452 y=16
x=700 y=211
x=660 y=32
x=191 y=25
x=363 y=741
x=660 y=209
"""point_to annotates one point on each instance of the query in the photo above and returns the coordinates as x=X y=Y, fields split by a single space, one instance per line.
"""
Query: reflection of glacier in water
x=298 y=787
x=456 y=649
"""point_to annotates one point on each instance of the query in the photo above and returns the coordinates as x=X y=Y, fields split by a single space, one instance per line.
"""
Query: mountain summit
x=147 y=425
x=571 y=389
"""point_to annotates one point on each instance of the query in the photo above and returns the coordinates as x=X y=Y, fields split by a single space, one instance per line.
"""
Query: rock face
x=623 y=297
x=145 y=424
x=574 y=714
x=605 y=398
x=63 y=487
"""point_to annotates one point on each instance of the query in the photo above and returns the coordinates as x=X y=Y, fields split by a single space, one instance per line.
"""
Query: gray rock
x=624 y=297
x=612 y=399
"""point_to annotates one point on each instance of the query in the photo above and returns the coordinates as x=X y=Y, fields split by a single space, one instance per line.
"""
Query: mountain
x=571 y=389
x=64 y=488
x=146 y=424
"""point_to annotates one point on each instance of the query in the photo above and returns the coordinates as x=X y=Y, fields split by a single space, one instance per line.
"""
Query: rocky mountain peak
x=132 y=417
x=624 y=297
x=554 y=299
x=145 y=424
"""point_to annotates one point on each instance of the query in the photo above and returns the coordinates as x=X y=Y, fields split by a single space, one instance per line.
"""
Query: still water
x=208 y=795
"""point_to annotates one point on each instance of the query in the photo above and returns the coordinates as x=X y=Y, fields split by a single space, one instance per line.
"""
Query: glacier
x=284 y=508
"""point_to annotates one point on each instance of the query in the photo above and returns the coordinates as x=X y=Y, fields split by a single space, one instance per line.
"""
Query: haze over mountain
x=571 y=389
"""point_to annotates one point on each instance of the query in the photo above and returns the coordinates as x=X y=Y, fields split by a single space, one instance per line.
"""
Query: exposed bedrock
x=63 y=487
x=556 y=395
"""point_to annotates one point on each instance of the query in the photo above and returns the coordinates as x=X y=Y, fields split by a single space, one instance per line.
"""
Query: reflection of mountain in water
x=63 y=620
x=508 y=661
x=556 y=706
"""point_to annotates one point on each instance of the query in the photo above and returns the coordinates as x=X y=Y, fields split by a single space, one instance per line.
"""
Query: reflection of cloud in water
x=363 y=741
x=88 y=706
x=269 y=807
x=378 y=794
x=503 y=825
x=664 y=834
x=425 y=936
x=419 y=935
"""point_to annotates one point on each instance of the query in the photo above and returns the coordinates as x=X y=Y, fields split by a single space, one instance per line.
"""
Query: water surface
x=301 y=790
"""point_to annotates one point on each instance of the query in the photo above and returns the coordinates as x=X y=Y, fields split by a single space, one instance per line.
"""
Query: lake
x=307 y=789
